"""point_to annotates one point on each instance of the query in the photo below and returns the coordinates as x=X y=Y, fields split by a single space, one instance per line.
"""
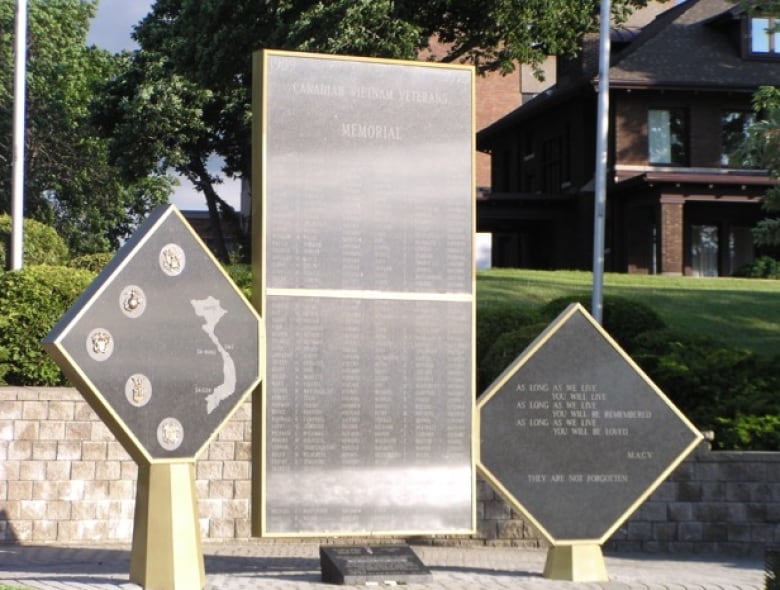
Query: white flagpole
x=602 y=144
x=17 y=198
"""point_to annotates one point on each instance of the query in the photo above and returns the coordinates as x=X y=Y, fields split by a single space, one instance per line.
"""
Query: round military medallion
x=172 y=260
x=170 y=434
x=138 y=390
x=132 y=301
x=100 y=344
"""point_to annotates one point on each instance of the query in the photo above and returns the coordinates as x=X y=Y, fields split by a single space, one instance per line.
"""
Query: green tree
x=762 y=150
x=155 y=120
x=69 y=183
x=204 y=50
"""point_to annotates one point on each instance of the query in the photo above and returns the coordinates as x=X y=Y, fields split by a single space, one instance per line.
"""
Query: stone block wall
x=715 y=502
x=65 y=479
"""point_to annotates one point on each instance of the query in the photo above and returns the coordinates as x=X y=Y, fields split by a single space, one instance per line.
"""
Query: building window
x=704 y=250
x=734 y=126
x=668 y=136
x=552 y=165
x=764 y=36
x=741 y=249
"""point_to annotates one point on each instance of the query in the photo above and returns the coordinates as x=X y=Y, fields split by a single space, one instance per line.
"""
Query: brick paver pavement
x=263 y=565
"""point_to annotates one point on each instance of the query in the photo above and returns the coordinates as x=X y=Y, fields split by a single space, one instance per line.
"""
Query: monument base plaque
x=576 y=563
x=378 y=564
x=166 y=552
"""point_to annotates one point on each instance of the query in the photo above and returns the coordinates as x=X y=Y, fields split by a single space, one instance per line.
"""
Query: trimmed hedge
x=505 y=349
x=32 y=300
x=763 y=267
x=625 y=320
x=731 y=391
x=92 y=262
x=504 y=333
x=41 y=244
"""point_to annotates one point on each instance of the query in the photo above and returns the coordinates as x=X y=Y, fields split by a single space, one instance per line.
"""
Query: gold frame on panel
x=259 y=265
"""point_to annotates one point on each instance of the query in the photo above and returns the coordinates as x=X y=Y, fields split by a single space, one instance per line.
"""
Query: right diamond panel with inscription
x=575 y=435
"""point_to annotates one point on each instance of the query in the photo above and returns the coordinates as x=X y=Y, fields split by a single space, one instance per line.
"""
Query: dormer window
x=765 y=36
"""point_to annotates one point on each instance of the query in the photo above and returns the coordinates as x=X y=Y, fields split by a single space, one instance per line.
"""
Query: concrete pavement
x=274 y=565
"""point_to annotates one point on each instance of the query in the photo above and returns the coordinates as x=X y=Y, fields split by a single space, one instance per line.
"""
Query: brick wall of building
x=65 y=479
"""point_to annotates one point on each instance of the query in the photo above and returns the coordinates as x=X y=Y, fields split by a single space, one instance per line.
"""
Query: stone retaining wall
x=64 y=478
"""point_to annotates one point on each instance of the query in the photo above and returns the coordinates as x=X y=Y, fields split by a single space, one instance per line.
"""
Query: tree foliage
x=762 y=145
x=42 y=245
x=69 y=183
x=762 y=150
x=197 y=54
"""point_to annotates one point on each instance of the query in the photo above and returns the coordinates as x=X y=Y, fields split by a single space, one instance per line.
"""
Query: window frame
x=772 y=38
x=685 y=136
x=748 y=118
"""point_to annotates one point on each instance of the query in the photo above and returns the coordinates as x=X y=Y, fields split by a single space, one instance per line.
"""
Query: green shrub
x=41 y=244
x=707 y=379
x=4 y=354
x=748 y=433
x=623 y=319
x=92 y=262
x=241 y=274
x=505 y=349
x=764 y=267
x=494 y=321
x=32 y=300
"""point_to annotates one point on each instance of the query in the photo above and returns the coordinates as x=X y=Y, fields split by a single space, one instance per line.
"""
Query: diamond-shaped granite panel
x=162 y=344
x=575 y=435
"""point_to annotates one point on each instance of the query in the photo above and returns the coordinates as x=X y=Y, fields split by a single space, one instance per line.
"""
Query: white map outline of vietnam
x=211 y=311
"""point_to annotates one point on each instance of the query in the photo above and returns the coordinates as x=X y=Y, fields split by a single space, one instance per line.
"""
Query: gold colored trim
x=475 y=437
x=166 y=551
x=260 y=294
x=356 y=58
x=370 y=294
x=576 y=562
x=258 y=216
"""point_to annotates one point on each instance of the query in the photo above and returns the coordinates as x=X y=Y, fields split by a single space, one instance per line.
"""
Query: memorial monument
x=164 y=348
x=364 y=198
x=575 y=436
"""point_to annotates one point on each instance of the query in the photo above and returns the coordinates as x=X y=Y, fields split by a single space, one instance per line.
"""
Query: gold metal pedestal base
x=167 y=553
x=577 y=563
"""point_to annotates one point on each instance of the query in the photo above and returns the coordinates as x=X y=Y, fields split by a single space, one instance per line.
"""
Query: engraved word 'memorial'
x=162 y=344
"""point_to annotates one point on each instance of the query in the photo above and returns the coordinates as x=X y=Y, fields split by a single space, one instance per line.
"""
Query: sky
x=111 y=29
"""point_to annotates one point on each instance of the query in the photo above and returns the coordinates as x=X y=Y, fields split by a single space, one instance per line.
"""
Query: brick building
x=678 y=201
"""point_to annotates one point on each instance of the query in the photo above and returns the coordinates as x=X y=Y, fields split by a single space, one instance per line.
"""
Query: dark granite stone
x=354 y=565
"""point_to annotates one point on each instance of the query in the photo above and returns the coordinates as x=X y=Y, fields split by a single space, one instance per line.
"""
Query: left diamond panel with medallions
x=163 y=340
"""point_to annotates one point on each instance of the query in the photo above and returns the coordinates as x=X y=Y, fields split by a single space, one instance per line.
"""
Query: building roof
x=690 y=46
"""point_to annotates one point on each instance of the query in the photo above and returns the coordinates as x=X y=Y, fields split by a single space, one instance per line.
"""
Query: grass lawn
x=743 y=313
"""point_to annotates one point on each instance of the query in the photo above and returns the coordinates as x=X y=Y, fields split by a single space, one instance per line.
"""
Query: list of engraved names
x=369 y=297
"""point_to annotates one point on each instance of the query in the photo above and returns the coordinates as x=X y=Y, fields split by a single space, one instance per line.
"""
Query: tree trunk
x=203 y=182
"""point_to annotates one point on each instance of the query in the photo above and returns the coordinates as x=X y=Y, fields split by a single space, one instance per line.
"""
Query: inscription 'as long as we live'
x=568 y=409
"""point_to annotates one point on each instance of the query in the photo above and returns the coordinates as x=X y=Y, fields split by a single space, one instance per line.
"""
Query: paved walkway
x=259 y=564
